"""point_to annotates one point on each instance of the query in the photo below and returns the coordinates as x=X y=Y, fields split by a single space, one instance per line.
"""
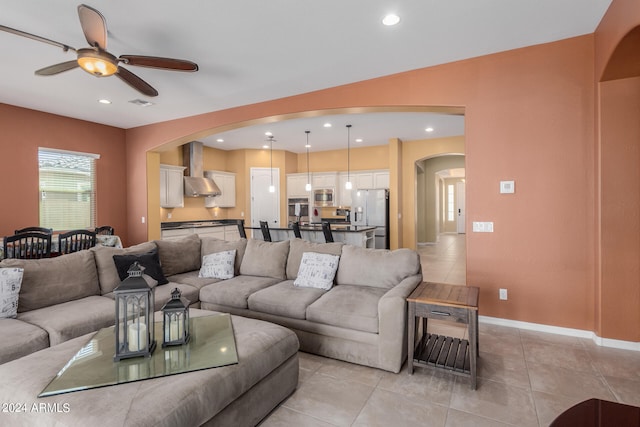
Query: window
x=450 y=203
x=67 y=189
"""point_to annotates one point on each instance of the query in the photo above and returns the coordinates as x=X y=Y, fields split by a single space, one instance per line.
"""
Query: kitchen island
x=224 y=229
x=362 y=236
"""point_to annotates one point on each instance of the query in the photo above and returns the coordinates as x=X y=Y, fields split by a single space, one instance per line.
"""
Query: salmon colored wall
x=23 y=131
x=620 y=207
x=529 y=117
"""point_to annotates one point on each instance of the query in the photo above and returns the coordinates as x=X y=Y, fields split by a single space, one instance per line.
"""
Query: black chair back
x=326 y=229
x=40 y=229
x=296 y=230
x=105 y=230
x=76 y=240
x=28 y=245
x=266 y=235
x=243 y=233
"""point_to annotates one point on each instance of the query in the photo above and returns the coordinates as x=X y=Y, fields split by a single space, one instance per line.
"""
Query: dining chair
x=326 y=229
x=27 y=245
x=40 y=229
x=296 y=230
x=243 y=233
x=105 y=230
x=266 y=234
x=76 y=240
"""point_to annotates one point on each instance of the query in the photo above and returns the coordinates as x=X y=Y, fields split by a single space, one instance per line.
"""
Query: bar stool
x=266 y=235
x=241 y=230
x=326 y=229
x=296 y=230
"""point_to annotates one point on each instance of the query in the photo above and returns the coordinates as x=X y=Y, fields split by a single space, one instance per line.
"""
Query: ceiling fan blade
x=57 y=68
x=158 y=62
x=94 y=26
x=37 y=38
x=136 y=82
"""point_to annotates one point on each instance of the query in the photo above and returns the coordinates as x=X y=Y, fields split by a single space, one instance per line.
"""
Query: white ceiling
x=255 y=50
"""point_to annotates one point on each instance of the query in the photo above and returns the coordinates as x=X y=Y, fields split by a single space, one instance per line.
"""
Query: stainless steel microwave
x=323 y=197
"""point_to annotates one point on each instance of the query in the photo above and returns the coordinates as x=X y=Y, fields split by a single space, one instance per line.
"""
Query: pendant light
x=307 y=187
x=272 y=188
x=348 y=184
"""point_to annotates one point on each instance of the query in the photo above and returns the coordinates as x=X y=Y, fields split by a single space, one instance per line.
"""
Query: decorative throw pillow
x=317 y=270
x=218 y=265
x=10 y=282
x=150 y=262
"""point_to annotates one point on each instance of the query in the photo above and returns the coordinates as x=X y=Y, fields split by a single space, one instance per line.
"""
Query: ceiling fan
x=95 y=59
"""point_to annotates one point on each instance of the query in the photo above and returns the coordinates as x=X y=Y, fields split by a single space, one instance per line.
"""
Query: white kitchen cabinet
x=381 y=179
x=231 y=232
x=226 y=181
x=217 y=232
x=176 y=233
x=171 y=186
x=363 y=180
x=296 y=183
x=324 y=180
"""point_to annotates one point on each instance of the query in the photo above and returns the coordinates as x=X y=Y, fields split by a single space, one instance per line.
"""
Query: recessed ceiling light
x=141 y=102
x=358 y=139
x=327 y=125
x=265 y=146
x=219 y=140
x=104 y=101
x=429 y=129
x=267 y=133
x=390 y=19
x=307 y=146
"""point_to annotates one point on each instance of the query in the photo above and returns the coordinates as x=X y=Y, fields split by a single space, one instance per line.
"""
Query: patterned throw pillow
x=218 y=265
x=317 y=270
x=10 y=282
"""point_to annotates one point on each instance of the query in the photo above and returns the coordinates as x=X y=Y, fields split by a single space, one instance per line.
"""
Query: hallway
x=445 y=261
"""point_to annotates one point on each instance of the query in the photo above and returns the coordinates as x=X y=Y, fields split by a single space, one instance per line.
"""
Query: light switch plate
x=507 y=187
x=482 y=227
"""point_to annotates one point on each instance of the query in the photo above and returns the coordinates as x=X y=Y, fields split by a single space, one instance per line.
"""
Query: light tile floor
x=525 y=378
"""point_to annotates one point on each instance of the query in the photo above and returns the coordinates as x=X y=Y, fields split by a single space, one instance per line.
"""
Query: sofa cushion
x=299 y=246
x=50 y=281
x=191 y=278
x=218 y=265
x=317 y=270
x=20 y=338
x=268 y=259
x=149 y=261
x=179 y=256
x=10 y=281
x=211 y=245
x=235 y=292
x=351 y=307
x=107 y=271
x=72 y=319
x=381 y=268
x=162 y=294
x=284 y=299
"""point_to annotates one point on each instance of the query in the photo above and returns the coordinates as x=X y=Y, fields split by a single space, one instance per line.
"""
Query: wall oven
x=298 y=209
x=323 y=197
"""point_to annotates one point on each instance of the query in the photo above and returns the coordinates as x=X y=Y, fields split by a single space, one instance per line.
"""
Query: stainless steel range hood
x=195 y=183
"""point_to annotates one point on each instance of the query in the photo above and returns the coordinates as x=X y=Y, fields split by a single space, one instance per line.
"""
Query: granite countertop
x=197 y=224
x=334 y=228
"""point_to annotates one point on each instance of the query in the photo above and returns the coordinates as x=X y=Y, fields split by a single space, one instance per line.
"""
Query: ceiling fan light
x=96 y=63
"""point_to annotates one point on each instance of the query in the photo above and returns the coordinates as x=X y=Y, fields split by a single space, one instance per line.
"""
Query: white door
x=265 y=206
x=460 y=188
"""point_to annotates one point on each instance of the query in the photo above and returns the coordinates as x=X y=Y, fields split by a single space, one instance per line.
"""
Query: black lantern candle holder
x=134 y=316
x=175 y=320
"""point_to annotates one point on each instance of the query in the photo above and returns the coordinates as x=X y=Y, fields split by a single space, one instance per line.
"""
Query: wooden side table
x=444 y=302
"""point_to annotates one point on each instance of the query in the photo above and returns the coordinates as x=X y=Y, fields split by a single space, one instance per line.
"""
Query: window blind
x=67 y=189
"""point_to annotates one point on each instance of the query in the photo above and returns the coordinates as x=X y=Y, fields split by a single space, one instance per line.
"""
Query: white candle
x=174 y=331
x=137 y=337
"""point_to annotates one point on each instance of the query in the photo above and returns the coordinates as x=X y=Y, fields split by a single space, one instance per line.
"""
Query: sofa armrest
x=392 y=323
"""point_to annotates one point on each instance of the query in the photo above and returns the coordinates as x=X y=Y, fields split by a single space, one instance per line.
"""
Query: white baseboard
x=579 y=333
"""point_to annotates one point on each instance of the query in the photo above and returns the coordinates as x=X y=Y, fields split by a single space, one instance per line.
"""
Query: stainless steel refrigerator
x=370 y=207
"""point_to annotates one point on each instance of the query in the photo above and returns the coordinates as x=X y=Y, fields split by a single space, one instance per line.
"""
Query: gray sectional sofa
x=361 y=319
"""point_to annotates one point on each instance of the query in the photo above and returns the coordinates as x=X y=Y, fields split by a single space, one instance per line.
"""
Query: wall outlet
x=503 y=294
x=142 y=219
x=169 y=215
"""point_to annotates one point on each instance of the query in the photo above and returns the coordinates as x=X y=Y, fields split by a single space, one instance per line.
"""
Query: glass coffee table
x=212 y=345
